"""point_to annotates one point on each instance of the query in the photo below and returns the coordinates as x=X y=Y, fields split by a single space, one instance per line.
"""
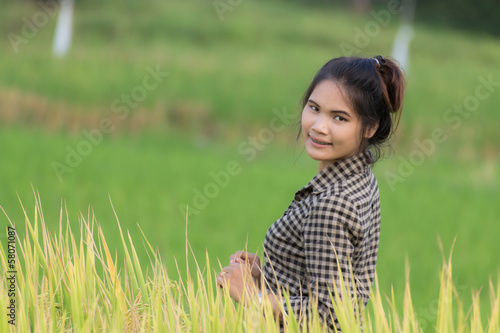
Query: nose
x=319 y=125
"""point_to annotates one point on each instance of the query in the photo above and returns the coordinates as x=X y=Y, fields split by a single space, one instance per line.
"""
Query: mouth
x=320 y=142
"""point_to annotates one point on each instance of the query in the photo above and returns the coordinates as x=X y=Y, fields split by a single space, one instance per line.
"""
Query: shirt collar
x=335 y=172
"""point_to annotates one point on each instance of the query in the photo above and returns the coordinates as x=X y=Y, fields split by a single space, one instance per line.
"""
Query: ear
x=370 y=131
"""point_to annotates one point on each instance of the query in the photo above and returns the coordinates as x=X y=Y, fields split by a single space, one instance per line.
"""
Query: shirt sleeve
x=330 y=233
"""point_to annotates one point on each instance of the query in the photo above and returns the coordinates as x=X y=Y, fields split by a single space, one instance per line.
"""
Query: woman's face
x=331 y=128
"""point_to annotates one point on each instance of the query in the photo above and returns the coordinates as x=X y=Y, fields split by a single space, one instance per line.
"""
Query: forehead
x=330 y=94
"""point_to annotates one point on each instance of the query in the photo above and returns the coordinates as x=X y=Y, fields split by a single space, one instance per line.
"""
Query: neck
x=322 y=165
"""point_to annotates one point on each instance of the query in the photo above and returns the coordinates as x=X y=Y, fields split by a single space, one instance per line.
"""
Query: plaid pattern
x=337 y=212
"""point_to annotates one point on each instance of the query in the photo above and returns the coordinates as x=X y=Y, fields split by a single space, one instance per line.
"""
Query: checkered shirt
x=336 y=215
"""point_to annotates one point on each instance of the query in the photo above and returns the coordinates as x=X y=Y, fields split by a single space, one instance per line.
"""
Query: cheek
x=347 y=134
x=356 y=136
x=305 y=121
x=359 y=134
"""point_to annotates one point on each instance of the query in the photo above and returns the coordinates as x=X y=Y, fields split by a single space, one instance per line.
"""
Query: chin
x=319 y=157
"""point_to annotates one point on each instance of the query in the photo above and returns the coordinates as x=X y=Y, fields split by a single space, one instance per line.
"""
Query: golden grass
x=64 y=284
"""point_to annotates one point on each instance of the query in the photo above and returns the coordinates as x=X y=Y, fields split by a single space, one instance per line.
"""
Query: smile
x=319 y=142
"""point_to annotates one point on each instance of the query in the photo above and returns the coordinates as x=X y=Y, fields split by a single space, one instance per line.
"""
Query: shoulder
x=361 y=189
x=334 y=207
x=350 y=202
x=351 y=193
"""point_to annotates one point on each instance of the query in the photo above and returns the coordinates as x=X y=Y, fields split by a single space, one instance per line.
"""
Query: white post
x=64 y=29
x=401 y=45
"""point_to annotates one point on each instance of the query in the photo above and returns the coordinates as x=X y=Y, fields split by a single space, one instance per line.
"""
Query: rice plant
x=64 y=284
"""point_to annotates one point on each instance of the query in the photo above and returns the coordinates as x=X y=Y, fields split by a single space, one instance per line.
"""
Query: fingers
x=222 y=277
x=229 y=271
x=237 y=280
x=242 y=256
x=220 y=281
x=237 y=256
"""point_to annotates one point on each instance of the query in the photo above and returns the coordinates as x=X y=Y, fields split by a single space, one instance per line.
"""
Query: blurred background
x=155 y=106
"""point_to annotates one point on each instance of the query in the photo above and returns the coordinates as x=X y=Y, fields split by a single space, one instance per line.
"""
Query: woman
x=332 y=226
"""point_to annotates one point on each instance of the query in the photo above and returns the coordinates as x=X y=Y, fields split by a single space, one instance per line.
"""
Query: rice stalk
x=70 y=284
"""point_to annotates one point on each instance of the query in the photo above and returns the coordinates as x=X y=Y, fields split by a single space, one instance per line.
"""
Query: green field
x=226 y=79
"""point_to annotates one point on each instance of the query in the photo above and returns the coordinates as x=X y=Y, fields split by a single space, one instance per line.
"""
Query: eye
x=339 y=118
x=314 y=108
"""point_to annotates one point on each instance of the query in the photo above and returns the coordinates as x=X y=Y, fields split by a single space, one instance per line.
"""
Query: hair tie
x=380 y=61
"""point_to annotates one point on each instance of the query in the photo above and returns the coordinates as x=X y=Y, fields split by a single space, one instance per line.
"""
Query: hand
x=251 y=259
x=241 y=284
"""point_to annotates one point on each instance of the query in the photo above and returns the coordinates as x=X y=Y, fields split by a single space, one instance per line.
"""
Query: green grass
x=238 y=69
x=225 y=78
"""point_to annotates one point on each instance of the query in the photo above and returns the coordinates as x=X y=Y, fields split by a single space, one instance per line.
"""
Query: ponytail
x=393 y=84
